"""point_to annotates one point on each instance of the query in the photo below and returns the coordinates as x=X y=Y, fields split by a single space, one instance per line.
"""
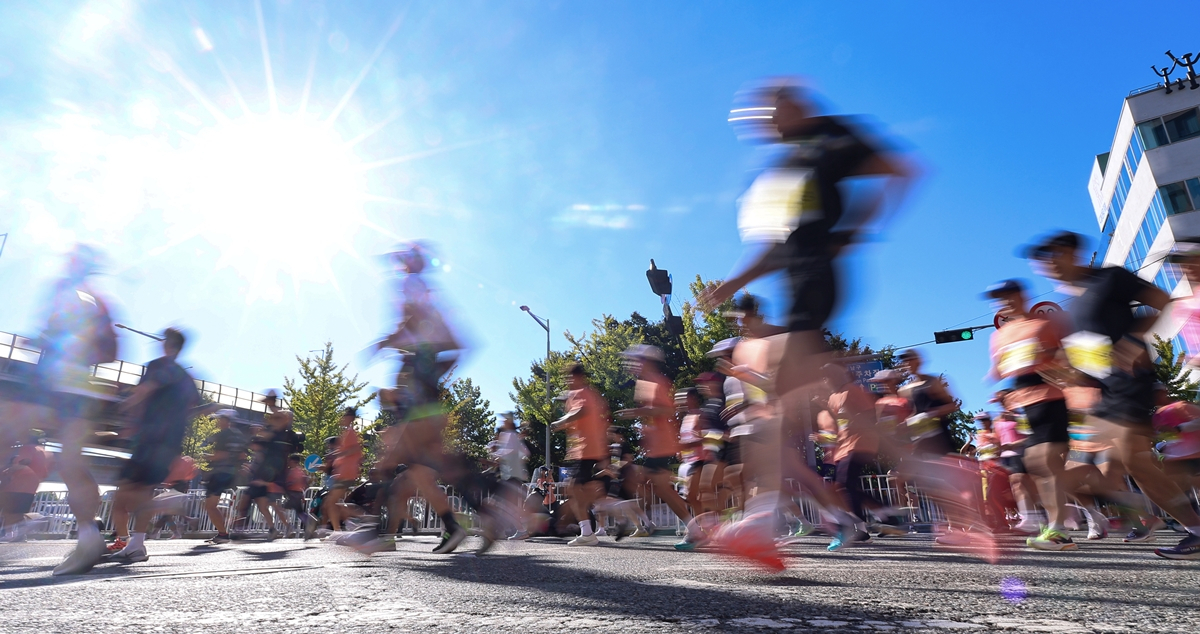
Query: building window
x=1176 y=198
x=1168 y=277
x=1193 y=187
x=1133 y=155
x=1153 y=133
x=1184 y=125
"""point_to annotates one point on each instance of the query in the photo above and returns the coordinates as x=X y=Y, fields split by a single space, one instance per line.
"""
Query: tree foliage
x=599 y=350
x=471 y=423
x=1169 y=369
x=319 y=395
x=196 y=439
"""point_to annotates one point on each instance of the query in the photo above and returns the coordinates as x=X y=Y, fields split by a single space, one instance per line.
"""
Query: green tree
x=471 y=423
x=701 y=331
x=195 y=440
x=319 y=395
x=534 y=410
x=1169 y=369
x=599 y=350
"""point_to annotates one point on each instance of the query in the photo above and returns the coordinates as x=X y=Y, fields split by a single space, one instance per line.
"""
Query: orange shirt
x=36 y=456
x=588 y=437
x=183 y=469
x=349 y=459
x=660 y=435
x=297 y=479
x=1021 y=348
x=854 y=411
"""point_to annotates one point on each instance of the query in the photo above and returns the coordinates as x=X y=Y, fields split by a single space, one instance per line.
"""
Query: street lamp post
x=545 y=324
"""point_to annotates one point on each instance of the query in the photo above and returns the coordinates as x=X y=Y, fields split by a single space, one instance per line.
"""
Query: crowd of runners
x=1078 y=408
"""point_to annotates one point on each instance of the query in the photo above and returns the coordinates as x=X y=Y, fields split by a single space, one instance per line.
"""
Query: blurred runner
x=1021 y=350
x=586 y=424
x=77 y=334
x=797 y=209
x=1107 y=348
x=660 y=434
x=935 y=465
x=19 y=481
x=162 y=405
x=429 y=349
x=229 y=445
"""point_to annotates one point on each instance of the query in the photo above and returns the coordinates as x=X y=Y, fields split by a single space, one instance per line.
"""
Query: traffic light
x=951 y=336
x=660 y=280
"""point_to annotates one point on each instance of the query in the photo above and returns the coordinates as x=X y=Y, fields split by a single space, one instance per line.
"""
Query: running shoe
x=485 y=545
x=751 y=538
x=601 y=532
x=846 y=535
x=367 y=542
x=641 y=532
x=450 y=541
x=1189 y=548
x=623 y=530
x=84 y=557
x=1028 y=525
x=584 y=540
x=1098 y=525
x=117 y=546
x=1051 y=539
x=804 y=529
x=127 y=557
x=520 y=535
x=889 y=530
x=1145 y=532
x=218 y=539
x=953 y=538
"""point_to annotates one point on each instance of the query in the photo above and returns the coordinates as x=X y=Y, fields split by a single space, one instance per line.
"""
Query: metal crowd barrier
x=58 y=522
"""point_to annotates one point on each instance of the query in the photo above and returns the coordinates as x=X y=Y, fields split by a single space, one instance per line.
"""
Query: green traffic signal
x=951 y=336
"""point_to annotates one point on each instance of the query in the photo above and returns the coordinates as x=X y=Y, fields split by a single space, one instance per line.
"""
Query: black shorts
x=1013 y=464
x=217 y=483
x=656 y=465
x=15 y=503
x=1127 y=398
x=733 y=451
x=149 y=464
x=583 y=471
x=814 y=293
x=258 y=491
x=293 y=500
x=1049 y=421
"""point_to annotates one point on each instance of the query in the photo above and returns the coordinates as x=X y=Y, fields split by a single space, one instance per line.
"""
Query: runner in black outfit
x=1107 y=349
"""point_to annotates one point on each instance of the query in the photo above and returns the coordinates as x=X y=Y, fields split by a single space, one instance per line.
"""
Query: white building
x=1146 y=189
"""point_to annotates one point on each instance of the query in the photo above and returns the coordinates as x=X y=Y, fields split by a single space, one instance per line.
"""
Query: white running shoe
x=584 y=540
x=1029 y=525
x=86 y=555
x=601 y=532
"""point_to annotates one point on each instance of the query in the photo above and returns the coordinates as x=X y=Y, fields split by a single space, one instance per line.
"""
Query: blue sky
x=549 y=150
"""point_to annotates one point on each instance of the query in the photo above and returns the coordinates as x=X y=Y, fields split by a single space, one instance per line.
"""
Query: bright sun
x=274 y=194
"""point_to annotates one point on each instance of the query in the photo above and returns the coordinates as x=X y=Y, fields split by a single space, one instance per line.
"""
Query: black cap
x=1042 y=247
x=1006 y=287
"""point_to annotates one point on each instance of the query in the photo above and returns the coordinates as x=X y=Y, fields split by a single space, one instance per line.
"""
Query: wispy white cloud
x=606 y=216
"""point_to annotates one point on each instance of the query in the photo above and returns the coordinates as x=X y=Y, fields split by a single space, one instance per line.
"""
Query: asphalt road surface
x=640 y=585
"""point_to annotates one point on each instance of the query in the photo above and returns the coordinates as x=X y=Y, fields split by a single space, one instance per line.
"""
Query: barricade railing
x=57 y=519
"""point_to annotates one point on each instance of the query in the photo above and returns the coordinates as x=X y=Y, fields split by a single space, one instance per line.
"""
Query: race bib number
x=777 y=202
x=923 y=426
x=1017 y=356
x=1090 y=353
x=843 y=425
